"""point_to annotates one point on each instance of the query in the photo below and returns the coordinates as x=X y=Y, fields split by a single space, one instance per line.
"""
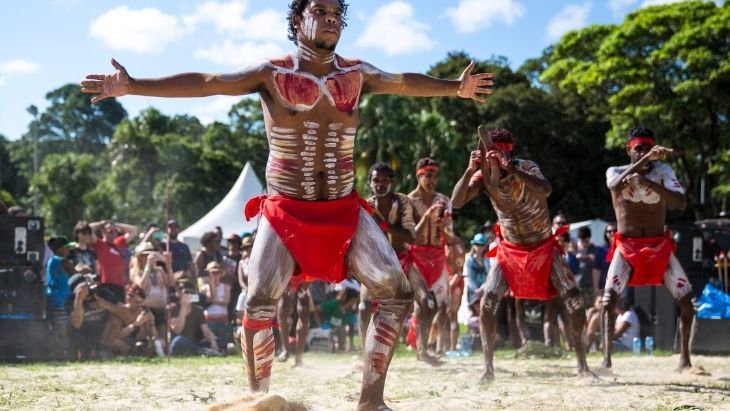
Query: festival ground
x=332 y=381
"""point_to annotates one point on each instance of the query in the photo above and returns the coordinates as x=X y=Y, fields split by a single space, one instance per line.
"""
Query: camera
x=97 y=290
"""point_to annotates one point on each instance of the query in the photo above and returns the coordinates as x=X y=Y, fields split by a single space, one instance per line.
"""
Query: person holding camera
x=131 y=326
x=190 y=331
x=151 y=271
x=88 y=318
x=218 y=294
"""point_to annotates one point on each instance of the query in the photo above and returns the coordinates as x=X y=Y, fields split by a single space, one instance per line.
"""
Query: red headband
x=425 y=169
x=504 y=146
x=640 y=140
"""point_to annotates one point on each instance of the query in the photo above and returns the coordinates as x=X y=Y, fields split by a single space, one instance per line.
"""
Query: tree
x=62 y=182
x=668 y=68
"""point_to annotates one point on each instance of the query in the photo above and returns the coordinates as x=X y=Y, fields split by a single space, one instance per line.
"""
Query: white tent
x=228 y=214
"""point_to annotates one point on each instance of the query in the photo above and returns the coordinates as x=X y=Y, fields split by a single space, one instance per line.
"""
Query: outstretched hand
x=107 y=85
x=475 y=86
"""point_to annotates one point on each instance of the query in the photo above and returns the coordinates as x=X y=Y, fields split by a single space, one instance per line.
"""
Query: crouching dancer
x=313 y=221
x=642 y=250
x=529 y=258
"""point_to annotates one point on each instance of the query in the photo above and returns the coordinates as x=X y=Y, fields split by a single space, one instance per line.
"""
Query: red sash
x=316 y=233
x=648 y=256
x=405 y=259
x=429 y=260
x=527 y=268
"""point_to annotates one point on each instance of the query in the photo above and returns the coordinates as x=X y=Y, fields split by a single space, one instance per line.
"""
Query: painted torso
x=524 y=217
x=400 y=214
x=432 y=235
x=311 y=124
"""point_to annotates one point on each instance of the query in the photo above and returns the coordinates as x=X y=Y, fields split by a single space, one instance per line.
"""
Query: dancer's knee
x=489 y=304
x=573 y=300
x=260 y=308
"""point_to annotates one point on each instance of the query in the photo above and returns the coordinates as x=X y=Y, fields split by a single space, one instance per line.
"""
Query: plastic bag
x=713 y=303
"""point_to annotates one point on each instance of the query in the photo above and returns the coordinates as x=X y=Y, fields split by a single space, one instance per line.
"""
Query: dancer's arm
x=656 y=153
x=120 y=83
x=471 y=86
x=465 y=189
x=530 y=174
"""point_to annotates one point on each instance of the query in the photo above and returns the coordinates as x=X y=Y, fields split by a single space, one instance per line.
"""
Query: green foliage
x=62 y=182
x=666 y=67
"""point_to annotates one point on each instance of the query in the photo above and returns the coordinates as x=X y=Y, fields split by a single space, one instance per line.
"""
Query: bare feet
x=691 y=370
x=606 y=363
x=430 y=360
x=373 y=406
x=487 y=376
x=586 y=373
x=283 y=356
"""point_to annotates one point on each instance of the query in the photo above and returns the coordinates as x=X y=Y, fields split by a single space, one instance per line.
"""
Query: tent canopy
x=597 y=227
x=228 y=214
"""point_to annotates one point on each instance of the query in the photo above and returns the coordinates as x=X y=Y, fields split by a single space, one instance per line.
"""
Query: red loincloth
x=405 y=259
x=648 y=256
x=316 y=233
x=429 y=260
x=527 y=268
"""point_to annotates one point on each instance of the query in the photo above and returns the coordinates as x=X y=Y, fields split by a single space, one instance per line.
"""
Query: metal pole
x=33 y=110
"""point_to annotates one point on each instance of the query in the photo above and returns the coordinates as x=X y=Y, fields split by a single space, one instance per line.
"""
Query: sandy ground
x=332 y=381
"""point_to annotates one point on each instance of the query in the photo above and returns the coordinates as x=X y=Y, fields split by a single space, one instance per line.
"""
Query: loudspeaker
x=21 y=241
x=24 y=340
x=710 y=336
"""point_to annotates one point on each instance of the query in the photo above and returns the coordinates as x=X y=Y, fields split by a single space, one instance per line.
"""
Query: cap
x=145 y=248
x=234 y=238
x=247 y=241
x=479 y=239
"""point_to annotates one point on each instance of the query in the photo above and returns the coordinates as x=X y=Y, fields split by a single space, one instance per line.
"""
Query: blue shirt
x=57 y=290
x=475 y=272
x=572 y=261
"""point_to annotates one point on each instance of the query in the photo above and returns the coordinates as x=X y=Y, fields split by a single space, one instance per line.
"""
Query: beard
x=324 y=46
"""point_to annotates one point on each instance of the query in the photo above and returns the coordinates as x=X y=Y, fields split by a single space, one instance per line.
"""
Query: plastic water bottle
x=637 y=346
x=649 y=345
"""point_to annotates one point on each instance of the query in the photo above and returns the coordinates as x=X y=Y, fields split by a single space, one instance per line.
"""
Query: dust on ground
x=332 y=382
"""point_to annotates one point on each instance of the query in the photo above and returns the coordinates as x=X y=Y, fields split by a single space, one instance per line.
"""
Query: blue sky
x=46 y=44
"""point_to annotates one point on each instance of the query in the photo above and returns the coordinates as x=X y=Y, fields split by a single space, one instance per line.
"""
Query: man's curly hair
x=296 y=8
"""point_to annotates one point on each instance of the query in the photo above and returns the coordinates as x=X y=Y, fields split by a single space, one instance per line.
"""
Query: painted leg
x=520 y=321
x=286 y=306
x=373 y=262
x=577 y=322
x=302 y=296
x=270 y=268
x=425 y=318
x=608 y=321
x=363 y=315
x=488 y=330
x=550 y=324
x=687 y=313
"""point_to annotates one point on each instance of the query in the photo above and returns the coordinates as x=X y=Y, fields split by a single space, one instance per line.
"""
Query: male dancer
x=394 y=214
x=296 y=296
x=529 y=261
x=433 y=231
x=312 y=220
x=642 y=249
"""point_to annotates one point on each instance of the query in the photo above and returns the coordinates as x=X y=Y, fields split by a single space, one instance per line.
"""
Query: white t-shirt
x=627 y=338
x=660 y=173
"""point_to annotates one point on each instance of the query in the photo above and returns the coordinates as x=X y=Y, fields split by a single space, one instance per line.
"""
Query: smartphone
x=193 y=298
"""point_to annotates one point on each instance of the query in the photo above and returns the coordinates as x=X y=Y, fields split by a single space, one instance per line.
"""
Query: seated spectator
x=149 y=270
x=627 y=326
x=218 y=294
x=593 y=323
x=82 y=252
x=57 y=292
x=191 y=334
x=332 y=314
x=210 y=251
x=131 y=329
x=88 y=318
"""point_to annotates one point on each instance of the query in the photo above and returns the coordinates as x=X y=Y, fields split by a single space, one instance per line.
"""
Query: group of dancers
x=314 y=225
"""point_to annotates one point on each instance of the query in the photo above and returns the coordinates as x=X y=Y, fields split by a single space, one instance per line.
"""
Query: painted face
x=428 y=180
x=638 y=151
x=321 y=24
x=380 y=183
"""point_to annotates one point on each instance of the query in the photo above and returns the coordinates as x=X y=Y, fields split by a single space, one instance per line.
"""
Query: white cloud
x=215 y=108
x=19 y=66
x=239 y=54
x=573 y=16
x=145 y=30
x=473 y=15
x=228 y=19
x=620 y=6
x=395 y=30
